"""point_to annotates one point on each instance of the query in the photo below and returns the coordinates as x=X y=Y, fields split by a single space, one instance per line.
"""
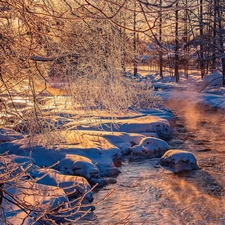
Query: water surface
x=146 y=193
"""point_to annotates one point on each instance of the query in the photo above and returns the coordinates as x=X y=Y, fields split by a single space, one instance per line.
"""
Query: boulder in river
x=179 y=161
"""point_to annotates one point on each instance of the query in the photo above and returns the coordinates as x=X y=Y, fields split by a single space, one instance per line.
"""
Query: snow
x=141 y=124
x=194 y=90
x=213 y=80
x=74 y=186
x=81 y=153
x=34 y=195
x=77 y=165
x=78 y=154
x=150 y=147
x=179 y=160
x=39 y=190
x=100 y=147
x=7 y=135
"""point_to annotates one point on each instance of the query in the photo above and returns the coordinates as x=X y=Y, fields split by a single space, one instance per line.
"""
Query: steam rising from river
x=146 y=194
x=191 y=107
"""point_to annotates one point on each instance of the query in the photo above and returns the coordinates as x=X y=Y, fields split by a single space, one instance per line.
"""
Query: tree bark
x=186 y=41
x=176 y=69
x=1 y=193
x=135 y=39
x=160 y=40
x=202 y=61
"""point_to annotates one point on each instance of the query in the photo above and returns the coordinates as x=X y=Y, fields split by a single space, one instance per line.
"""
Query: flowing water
x=145 y=193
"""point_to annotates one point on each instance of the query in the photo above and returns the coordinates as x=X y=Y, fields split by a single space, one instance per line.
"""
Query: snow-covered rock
x=123 y=140
x=77 y=165
x=98 y=154
x=74 y=186
x=213 y=80
x=31 y=195
x=150 y=147
x=179 y=160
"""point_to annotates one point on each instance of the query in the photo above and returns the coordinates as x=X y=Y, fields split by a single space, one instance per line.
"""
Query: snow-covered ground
x=66 y=162
x=208 y=91
x=81 y=153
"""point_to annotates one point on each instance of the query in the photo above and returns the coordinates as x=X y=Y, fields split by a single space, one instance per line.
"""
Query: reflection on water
x=148 y=194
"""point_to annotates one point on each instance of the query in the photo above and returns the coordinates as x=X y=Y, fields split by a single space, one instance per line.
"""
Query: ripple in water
x=145 y=193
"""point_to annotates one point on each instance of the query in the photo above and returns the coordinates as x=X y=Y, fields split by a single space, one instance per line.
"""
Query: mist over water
x=204 y=122
x=148 y=194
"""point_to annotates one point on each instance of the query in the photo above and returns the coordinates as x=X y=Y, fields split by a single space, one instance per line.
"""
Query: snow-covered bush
x=71 y=59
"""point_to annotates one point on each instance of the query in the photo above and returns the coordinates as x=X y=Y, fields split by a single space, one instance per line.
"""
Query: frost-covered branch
x=27 y=199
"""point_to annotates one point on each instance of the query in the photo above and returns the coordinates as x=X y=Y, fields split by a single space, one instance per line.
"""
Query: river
x=145 y=193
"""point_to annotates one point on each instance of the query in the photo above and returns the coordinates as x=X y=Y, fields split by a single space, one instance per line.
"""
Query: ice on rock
x=179 y=161
x=150 y=147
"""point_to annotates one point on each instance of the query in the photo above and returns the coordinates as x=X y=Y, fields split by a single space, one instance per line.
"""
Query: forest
x=83 y=84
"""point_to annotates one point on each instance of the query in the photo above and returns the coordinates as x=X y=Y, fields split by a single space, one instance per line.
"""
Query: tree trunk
x=221 y=39
x=1 y=193
x=176 y=69
x=223 y=69
x=135 y=39
x=186 y=40
x=202 y=61
x=160 y=40
x=214 y=36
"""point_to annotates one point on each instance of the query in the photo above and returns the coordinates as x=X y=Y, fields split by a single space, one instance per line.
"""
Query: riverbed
x=146 y=193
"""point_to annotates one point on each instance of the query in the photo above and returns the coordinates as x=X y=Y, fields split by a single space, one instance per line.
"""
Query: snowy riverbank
x=64 y=164
x=68 y=161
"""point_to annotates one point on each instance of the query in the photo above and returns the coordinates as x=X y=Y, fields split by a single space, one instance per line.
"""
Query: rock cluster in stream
x=174 y=160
